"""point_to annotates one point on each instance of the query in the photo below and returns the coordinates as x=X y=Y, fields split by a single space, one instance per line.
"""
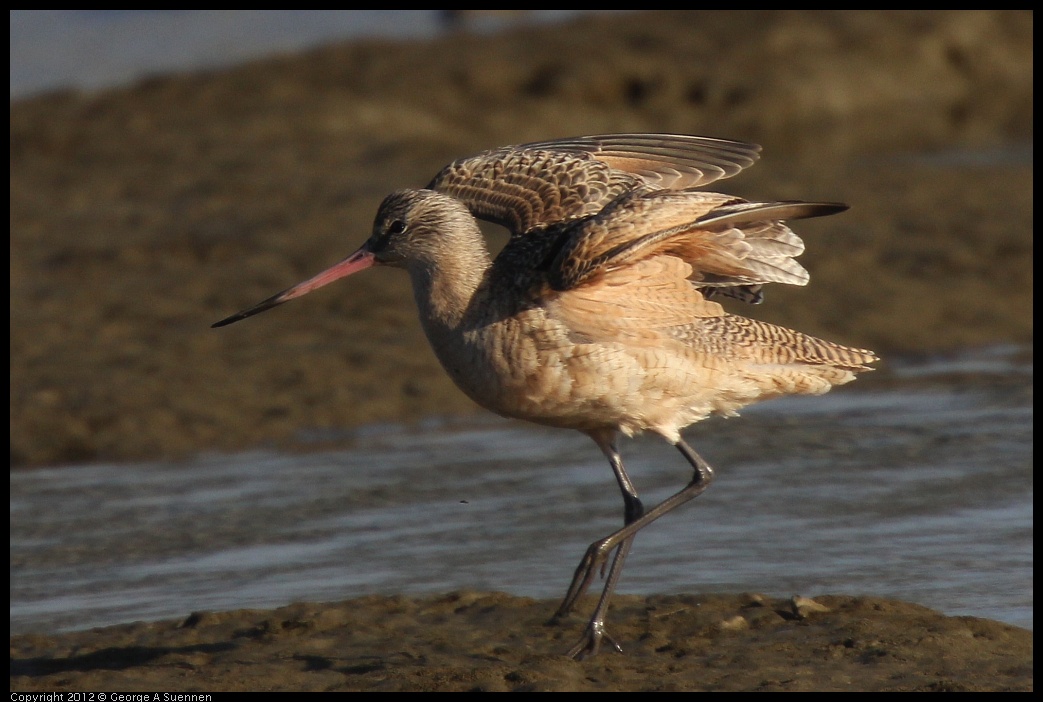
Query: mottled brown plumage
x=597 y=315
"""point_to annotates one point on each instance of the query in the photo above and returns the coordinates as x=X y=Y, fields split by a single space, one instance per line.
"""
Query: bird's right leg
x=633 y=510
x=596 y=556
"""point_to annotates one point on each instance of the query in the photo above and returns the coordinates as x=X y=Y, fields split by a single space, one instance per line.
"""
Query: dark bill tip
x=262 y=306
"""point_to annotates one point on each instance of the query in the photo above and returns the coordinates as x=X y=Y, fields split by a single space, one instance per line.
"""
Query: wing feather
x=545 y=183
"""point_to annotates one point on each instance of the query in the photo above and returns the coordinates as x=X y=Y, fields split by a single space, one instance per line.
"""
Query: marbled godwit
x=597 y=314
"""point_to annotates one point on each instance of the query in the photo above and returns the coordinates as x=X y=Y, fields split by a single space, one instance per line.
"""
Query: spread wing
x=728 y=242
x=641 y=273
x=537 y=185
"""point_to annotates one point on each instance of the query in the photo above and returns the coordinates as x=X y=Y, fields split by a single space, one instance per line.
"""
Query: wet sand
x=141 y=215
x=475 y=641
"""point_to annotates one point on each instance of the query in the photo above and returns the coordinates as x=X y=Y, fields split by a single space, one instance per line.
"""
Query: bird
x=602 y=313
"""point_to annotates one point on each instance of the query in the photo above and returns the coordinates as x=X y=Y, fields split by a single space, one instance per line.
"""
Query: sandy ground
x=141 y=215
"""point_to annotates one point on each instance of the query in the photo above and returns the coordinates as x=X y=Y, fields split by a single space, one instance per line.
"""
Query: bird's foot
x=590 y=643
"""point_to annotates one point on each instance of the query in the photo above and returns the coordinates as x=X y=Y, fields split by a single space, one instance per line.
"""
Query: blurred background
x=92 y=49
x=141 y=211
x=171 y=167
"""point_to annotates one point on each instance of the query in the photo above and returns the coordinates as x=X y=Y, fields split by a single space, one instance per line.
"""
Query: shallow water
x=914 y=483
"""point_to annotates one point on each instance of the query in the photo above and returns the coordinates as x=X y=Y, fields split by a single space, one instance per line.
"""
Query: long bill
x=357 y=261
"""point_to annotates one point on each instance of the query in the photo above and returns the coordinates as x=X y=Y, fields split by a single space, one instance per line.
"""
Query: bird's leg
x=632 y=506
x=633 y=509
x=596 y=556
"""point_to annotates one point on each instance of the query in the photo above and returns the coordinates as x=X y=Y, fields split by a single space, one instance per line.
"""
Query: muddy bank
x=469 y=641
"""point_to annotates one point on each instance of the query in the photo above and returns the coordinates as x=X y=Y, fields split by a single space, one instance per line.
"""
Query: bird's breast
x=529 y=366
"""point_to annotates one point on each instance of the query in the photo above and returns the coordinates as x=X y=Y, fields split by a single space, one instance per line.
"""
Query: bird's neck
x=445 y=284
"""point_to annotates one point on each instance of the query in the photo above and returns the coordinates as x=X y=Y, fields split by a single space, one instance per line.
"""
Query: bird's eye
x=396 y=227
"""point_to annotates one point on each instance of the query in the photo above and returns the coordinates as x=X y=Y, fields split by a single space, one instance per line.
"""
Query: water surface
x=916 y=484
